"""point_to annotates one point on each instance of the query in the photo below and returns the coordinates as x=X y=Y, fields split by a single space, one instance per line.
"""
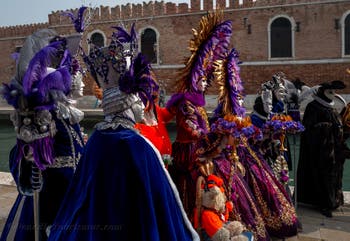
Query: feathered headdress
x=230 y=114
x=227 y=73
x=31 y=46
x=115 y=71
x=141 y=79
x=108 y=64
x=43 y=79
x=77 y=19
x=42 y=85
x=129 y=40
x=208 y=44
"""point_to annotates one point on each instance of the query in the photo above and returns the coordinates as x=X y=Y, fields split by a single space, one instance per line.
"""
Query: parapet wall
x=149 y=9
x=21 y=30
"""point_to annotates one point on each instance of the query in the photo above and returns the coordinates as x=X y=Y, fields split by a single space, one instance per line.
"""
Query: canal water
x=7 y=141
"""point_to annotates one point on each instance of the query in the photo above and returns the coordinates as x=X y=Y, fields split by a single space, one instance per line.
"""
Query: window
x=347 y=35
x=281 y=38
x=97 y=39
x=16 y=53
x=149 y=45
x=18 y=49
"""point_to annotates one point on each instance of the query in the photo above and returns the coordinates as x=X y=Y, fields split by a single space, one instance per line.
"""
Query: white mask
x=77 y=89
x=240 y=100
x=330 y=94
x=202 y=85
x=266 y=97
x=128 y=62
x=138 y=108
x=280 y=93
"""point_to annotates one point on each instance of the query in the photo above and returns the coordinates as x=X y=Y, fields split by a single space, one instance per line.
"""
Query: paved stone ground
x=8 y=194
x=316 y=227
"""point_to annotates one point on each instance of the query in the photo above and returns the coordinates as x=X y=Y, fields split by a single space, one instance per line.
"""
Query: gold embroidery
x=287 y=214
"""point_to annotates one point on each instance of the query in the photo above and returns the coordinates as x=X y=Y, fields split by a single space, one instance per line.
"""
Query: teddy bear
x=214 y=213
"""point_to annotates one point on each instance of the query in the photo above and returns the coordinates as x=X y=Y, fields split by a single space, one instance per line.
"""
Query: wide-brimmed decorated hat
x=334 y=85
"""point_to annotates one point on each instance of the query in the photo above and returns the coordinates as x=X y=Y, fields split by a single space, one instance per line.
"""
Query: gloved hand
x=36 y=179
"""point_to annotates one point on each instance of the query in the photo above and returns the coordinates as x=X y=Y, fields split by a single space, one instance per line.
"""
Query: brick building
x=308 y=39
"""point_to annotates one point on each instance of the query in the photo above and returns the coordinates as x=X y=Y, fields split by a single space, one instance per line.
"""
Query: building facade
x=306 y=39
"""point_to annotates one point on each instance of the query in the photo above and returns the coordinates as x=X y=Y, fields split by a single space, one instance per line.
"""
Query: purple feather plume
x=43 y=84
x=78 y=21
x=229 y=103
x=211 y=50
x=42 y=151
x=234 y=82
x=37 y=66
x=195 y=98
x=57 y=80
x=141 y=79
x=123 y=36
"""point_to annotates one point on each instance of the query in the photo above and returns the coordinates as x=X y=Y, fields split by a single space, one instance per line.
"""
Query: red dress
x=158 y=134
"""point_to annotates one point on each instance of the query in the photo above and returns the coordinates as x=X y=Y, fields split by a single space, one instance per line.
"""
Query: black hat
x=334 y=85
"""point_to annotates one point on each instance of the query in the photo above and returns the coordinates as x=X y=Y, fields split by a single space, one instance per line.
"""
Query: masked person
x=259 y=197
x=121 y=189
x=320 y=149
x=153 y=125
x=49 y=139
x=188 y=103
x=269 y=109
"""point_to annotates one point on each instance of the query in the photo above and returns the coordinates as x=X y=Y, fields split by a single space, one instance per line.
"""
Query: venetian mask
x=202 y=85
x=330 y=94
x=280 y=92
x=78 y=85
x=266 y=96
x=138 y=109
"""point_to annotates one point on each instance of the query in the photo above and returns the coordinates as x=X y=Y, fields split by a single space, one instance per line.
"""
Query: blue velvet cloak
x=121 y=191
x=20 y=222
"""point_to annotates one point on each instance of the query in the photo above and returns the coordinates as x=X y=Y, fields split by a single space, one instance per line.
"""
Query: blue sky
x=18 y=12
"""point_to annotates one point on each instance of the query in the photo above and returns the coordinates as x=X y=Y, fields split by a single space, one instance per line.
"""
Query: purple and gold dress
x=271 y=197
x=245 y=208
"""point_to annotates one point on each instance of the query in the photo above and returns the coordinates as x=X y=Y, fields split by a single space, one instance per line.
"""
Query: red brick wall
x=317 y=39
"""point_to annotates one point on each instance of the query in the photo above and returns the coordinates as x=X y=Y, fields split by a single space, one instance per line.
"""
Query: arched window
x=347 y=35
x=97 y=39
x=281 y=38
x=149 y=45
x=18 y=49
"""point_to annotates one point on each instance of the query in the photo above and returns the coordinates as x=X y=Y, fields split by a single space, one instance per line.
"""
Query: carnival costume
x=268 y=170
x=297 y=93
x=270 y=201
x=49 y=139
x=269 y=114
x=157 y=132
x=153 y=127
x=227 y=127
x=321 y=147
x=266 y=105
x=209 y=43
x=345 y=113
x=121 y=189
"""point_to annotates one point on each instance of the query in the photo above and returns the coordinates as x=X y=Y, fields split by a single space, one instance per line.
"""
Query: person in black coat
x=320 y=161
